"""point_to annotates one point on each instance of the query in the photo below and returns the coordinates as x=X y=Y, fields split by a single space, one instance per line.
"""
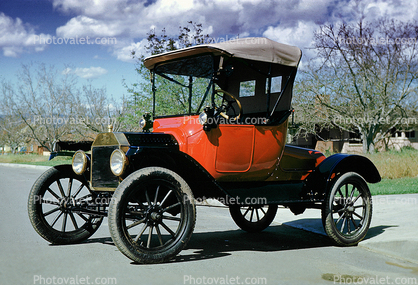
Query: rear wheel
x=152 y=215
x=56 y=203
x=253 y=218
x=347 y=210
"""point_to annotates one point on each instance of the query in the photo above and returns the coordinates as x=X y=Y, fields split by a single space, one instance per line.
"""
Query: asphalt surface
x=293 y=250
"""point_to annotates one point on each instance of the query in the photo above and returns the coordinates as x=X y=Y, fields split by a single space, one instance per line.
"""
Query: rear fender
x=336 y=165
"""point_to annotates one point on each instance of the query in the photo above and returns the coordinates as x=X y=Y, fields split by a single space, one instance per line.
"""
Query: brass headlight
x=118 y=162
x=142 y=123
x=80 y=162
x=203 y=118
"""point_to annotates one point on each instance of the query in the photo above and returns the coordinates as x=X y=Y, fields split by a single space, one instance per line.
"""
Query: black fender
x=203 y=185
x=336 y=165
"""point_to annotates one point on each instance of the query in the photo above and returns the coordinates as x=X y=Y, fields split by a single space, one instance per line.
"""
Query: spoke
x=160 y=238
x=335 y=211
x=171 y=207
x=262 y=210
x=354 y=222
x=172 y=218
x=147 y=197
x=70 y=185
x=73 y=221
x=346 y=191
x=348 y=226
x=339 y=219
x=166 y=196
x=64 y=222
x=341 y=193
x=246 y=212
x=156 y=195
x=342 y=227
x=355 y=200
x=359 y=206
x=168 y=229
x=53 y=194
x=56 y=218
x=78 y=190
x=50 y=202
x=252 y=213
x=258 y=217
x=135 y=224
x=150 y=236
x=352 y=193
x=141 y=232
x=83 y=198
x=60 y=188
x=52 y=211
x=358 y=216
x=82 y=216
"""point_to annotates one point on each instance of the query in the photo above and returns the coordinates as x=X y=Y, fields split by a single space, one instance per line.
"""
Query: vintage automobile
x=224 y=138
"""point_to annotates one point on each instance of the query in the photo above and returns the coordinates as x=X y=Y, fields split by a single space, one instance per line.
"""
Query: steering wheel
x=226 y=105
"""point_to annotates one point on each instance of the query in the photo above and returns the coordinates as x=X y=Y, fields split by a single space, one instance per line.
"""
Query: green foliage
x=172 y=98
x=406 y=185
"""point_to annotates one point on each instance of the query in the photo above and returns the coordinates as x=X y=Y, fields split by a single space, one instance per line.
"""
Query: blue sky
x=28 y=28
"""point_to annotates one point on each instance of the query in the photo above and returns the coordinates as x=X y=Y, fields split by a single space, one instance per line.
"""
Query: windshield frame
x=168 y=76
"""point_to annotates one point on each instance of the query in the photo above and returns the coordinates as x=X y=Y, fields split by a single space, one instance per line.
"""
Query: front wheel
x=253 y=218
x=152 y=215
x=347 y=210
x=58 y=206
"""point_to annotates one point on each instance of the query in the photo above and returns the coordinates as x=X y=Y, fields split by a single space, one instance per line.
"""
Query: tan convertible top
x=258 y=49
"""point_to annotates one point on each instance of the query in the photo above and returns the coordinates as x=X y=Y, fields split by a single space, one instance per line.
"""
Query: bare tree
x=12 y=132
x=364 y=77
x=49 y=107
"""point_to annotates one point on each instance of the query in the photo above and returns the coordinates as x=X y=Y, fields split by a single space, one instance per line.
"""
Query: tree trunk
x=368 y=145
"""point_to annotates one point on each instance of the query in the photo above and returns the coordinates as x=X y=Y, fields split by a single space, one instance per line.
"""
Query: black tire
x=347 y=210
x=253 y=218
x=152 y=215
x=52 y=201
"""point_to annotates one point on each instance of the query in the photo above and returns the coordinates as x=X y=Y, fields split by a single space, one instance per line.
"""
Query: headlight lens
x=142 y=123
x=118 y=162
x=79 y=162
x=203 y=118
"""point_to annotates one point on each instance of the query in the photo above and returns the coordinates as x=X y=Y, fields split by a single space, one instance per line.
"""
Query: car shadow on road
x=208 y=245
x=276 y=238
x=377 y=230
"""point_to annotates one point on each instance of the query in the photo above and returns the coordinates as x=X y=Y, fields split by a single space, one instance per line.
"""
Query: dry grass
x=34 y=159
x=396 y=164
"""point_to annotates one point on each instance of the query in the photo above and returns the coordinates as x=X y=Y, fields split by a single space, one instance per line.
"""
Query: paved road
x=218 y=253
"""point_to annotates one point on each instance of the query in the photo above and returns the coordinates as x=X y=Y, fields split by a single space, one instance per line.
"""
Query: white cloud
x=82 y=26
x=299 y=35
x=17 y=38
x=86 y=73
x=283 y=20
x=124 y=52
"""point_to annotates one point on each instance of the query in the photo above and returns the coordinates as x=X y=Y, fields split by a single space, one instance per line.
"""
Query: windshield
x=183 y=86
